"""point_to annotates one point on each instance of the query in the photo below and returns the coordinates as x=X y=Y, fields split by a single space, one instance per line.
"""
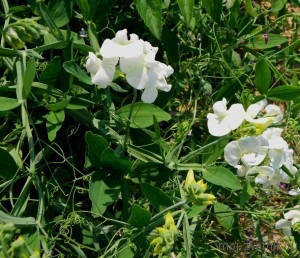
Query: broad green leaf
x=61 y=11
x=74 y=69
x=263 y=77
x=51 y=72
x=277 y=5
x=84 y=8
x=221 y=176
x=28 y=78
x=139 y=217
x=274 y=40
x=150 y=11
x=213 y=8
x=284 y=93
x=57 y=106
x=186 y=8
x=249 y=8
x=142 y=114
x=224 y=215
x=96 y=145
x=247 y=192
x=17 y=221
x=100 y=8
x=8 y=103
x=113 y=162
x=44 y=13
x=103 y=191
x=54 y=122
x=157 y=197
x=8 y=166
x=152 y=173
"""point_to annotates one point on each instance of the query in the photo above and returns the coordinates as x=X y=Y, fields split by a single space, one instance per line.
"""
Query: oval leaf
x=8 y=165
x=8 y=103
x=96 y=145
x=221 y=176
x=274 y=40
x=74 y=69
x=224 y=215
x=263 y=76
x=139 y=217
x=157 y=197
x=186 y=8
x=284 y=93
x=142 y=114
x=150 y=11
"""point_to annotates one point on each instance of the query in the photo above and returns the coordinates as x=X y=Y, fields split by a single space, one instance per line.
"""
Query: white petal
x=232 y=153
x=216 y=126
x=104 y=75
x=220 y=108
x=93 y=63
x=292 y=214
x=255 y=108
x=149 y=95
x=236 y=116
x=274 y=110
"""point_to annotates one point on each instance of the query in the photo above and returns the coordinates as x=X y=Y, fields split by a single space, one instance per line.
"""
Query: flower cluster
x=263 y=153
x=291 y=221
x=163 y=238
x=195 y=190
x=136 y=59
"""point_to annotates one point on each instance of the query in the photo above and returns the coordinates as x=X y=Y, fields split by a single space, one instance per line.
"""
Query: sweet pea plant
x=149 y=128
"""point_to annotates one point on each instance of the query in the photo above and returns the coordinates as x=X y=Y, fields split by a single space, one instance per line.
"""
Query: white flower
x=294 y=192
x=103 y=71
x=278 y=147
x=251 y=151
x=223 y=121
x=264 y=175
x=272 y=115
x=290 y=219
x=137 y=60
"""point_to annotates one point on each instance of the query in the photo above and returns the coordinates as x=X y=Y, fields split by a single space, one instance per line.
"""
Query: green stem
x=129 y=118
x=125 y=190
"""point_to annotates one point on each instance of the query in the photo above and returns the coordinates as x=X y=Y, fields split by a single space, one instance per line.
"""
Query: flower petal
x=149 y=95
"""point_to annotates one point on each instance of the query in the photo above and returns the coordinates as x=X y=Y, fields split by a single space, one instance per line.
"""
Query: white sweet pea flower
x=102 y=71
x=272 y=115
x=278 y=147
x=290 y=219
x=265 y=175
x=251 y=151
x=294 y=192
x=223 y=121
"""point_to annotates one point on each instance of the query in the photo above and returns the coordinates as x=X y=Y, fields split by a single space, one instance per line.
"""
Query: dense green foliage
x=93 y=172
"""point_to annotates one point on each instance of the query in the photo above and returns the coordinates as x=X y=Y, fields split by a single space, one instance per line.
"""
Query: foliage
x=120 y=169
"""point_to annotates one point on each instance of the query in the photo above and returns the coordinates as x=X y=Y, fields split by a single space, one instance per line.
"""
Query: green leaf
x=9 y=52
x=100 y=8
x=52 y=71
x=157 y=197
x=103 y=191
x=28 y=78
x=8 y=103
x=213 y=151
x=224 y=215
x=84 y=8
x=249 y=8
x=150 y=11
x=139 y=217
x=284 y=93
x=8 y=165
x=247 y=192
x=96 y=145
x=263 y=77
x=221 y=176
x=74 y=69
x=113 y=162
x=213 y=8
x=274 y=40
x=61 y=11
x=186 y=8
x=277 y=5
x=54 y=122
x=152 y=173
x=142 y=114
